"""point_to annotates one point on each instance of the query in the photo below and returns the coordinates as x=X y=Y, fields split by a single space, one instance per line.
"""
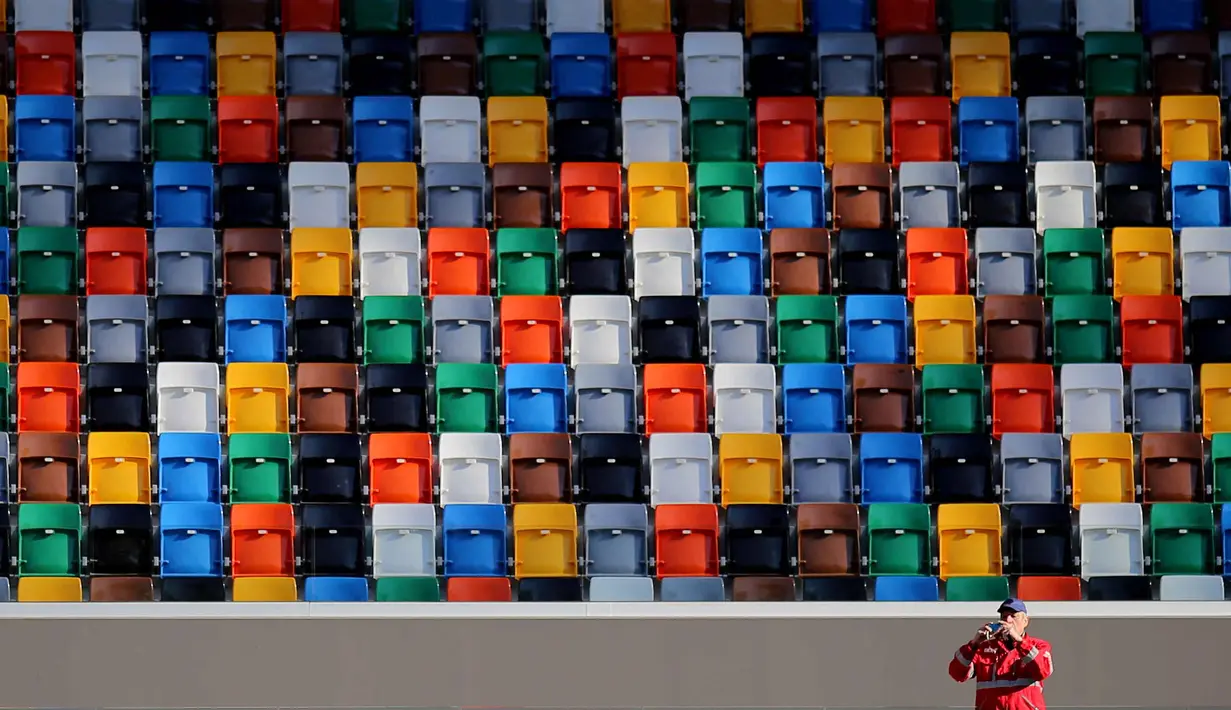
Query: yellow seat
x=258 y=398
x=119 y=465
x=764 y=16
x=516 y=129
x=321 y=261
x=980 y=64
x=6 y=321
x=1191 y=127
x=1215 y=399
x=387 y=194
x=657 y=195
x=969 y=539
x=1101 y=467
x=544 y=540
x=854 y=130
x=641 y=16
x=49 y=589
x=264 y=589
x=750 y=468
x=945 y=330
x=247 y=64
x=4 y=124
x=1142 y=262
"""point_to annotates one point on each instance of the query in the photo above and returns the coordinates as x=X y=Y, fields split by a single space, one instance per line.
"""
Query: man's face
x=1016 y=618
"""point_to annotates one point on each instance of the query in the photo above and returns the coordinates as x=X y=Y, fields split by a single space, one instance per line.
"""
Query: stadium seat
x=327 y=397
x=336 y=589
x=882 y=397
x=403 y=540
x=1191 y=128
x=114 y=193
x=247 y=129
x=594 y=262
x=45 y=61
x=952 y=397
x=447 y=63
x=400 y=468
x=969 y=537
x=49 y=539
x=1200 y=194
x=112 y=128
x=255 y=329
x=1207 y=316
x=515 y=62
x=532 y=330
x=1032 y=467
x=1132 y=195
x=390 y=262
x=1073 y=262
x=111 y=63
x=610 y=469
x=117 y=396
x=794 y=195
x=899 y=539
x=522 y=195
x=645 y=64
x=600 y=330
x=876 y=329
x=786 y=130
x=45 y=128
x=1047 y=65
x=380 y=65
x=590 y=196
x=466 y=398
x=116 y=329
x=115 y=261
x=1022 y=400
x=920 y=129
x=49 y=589
x=465 y=589
x=738 y=329
x=397 y=397
x=997 y=195
x=780 y=65
x=680 y=468
x=1102 y=468
x=929 y=195
x=47 y=329
x=652 y=130
x=1182 y=63
x=581 y=66
x=1004 y=262
x=46 y=259
x=799 y=262
x=1092 y=398
x=238 y=15
x=726 y=195
x=257 y=398
x=828 y=539
x=47 y=397
x=526 y=262
x=976 y=589
x=1013 y=329
x=847 y=62
x=1182 y=17
x=48 y=469
x=179 y=129
x=1055 y=128
x=1116 y=16
x=807 y=329
x=987 y=130
x=980 y=64
x=719 y=129
x=1205 y=264
x=178 y=63
x=854 y=130
x=457 y=262
x=462 y=329
x=264 y=589
x=913 y=64
x=386 y=195
x=750 y=468
x=334 y=539
x=616 y=541
x=1082 y=329
x=899 y=17
x=185 y=328
x=312 y=63
x=262 y=540
x=101 y=15
x=1045 y=16
x=383 y=130
x=867 y=262
x=621 y=589
x=713 y=65
x=470 y=469
x=1152 y=329
x=190 y=540
x=935 y=262
x=455 y=195
x=944 y=330
x=862 y=195
x=535 y=398
x=892 y=468
x=1111 y=540
x=450 y=129
x=517 y=129
x=393 y=330
x=119 y=467
x=187 y=397
x=1065 y=195
x=46 y=194
x=686 y=540
x=1039 y=538
x=731 y=262
x=675 y=398
x=540 y=468
x=252 y=261
x=1171 y=467
x=1142 y=262
x=1191 y=588
x=584 y=131
x=260 y=468
x=246 y=63
x=183 y=195
x=961 y=468
x=544 y=540
x=249 y=195
x=1123 y=129
x=658 y=195
x=1162 y=398
x=606 y=400
x=189 y=466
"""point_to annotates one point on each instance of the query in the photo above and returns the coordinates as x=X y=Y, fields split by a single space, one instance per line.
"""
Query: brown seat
x=708 y=15
x=913 y=65
x=316 y=128
x=245 y=15
x=521 y=193
x=540 y=468
x=4 y=64
x=48 y=467
x=1123 y=129
x=828 y=539
x=1182 y=63
x=862 y=195
x=1013 y=329
x=884 y=397
x=1220 y=16
x=47 y=328
x=121 y=589
x=252 y=261
x=763 y=589
x=328 y=398
x=799 y=261
x=447 y=64
x=1171 y=467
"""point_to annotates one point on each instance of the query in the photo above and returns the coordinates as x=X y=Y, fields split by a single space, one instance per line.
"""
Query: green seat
x=974 y=15
x=899 y=539
x=515 y=63
x=259 y=468
x=976 y=589
x=179 y=128
x=48 y=540
x=47 y=260
x=365 y=16
x=719 y=130
x=526 y=263
x=726 y=195
x=1073 y=262
x=953 y=399
x=1115 y=63
x=6 y=187
x=6 y=389
x=1082 y=329
x=1220 y=457
x=1182 y=538
x=393 y=329
x=807 y=329
x=466 y=398
x=407 y=589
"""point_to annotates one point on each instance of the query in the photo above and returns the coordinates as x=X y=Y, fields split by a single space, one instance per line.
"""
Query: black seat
x=121 y=540
x=396 y=397
x=868 y=262
x=1046 y=65
x=180 y=15
x=781 y=65
x=1040 y=539
x=670 y=328
x=835 y=589
x=610 y=470
x=186 y=328
x=1209 y=329
x=324 y=328
x=594 y=262
x=758 y=540
x=549 y=589
x=117 y=397
x=997 y=194
x=114 y=194
x=5 y=562
x=333 y=540
x=585 y=131
x=1133 y=195
x=194 y=589
x=250 y=195
x=380 y=66
x=330 y=468
x=1119 y=589
x=961 y=468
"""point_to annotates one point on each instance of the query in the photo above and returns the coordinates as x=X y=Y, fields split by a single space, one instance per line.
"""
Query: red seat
x=1049 y=589
x=531 y=330
x=400 y=468
x=905 y=17
x=115 y=261
x=590 y=196
x=247 y=129
x=645 y=64
x=675 y=398
x=262 y=540
x=311 y=15
x=48 y=396
x=1152 y=329
x=936 y=262
x=46 y=63
x=457 y=262
x=686 y=540
x=786 y=130
x=479 y=589
x=921 y=129
x=1022 y=399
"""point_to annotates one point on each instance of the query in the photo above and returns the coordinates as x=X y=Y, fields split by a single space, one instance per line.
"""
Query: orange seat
x=458 y=262
x=646 y=64
x=479 y=589
x=686 y=540
x=531 y=330
x=1049 y=589
x=48 y=396
x=936 y=262
x=115 y=261
x=400 y=468
x=46 y=63
x=1152 y=329
x=786 y=130
x=675 y=398
x=262 y=540
x=591 y=196
x=921 y=130
x=247 y=129
x=1022 y=399
x=311 y=15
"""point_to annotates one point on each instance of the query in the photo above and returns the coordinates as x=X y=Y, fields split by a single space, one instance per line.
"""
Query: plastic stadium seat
x=250 y=195
x=98 y=15
x=187 y=397
x=653 y=129
x=1005 y=262
x=593 y=261
x=117 y=396
x=1111 y=539
x=670 y=329
x=713 y=65
x=882 y=397
x=252 y=261
x=935 y=262
x=535 y=398
x=831 y=589
x=606 y=399
x=396 y=398
x=190 y=540
x=799 y=261
x=1065 y=195
x=1191 y=129
x=584 y=131
x=841 y=15
x=448 y=63
x=929 y=195
x=517 y=129
x=311 y=15
x=1127 y=588
x=386 y=194
x=731 y=262
x=179 y=128
x=45 y=127
x=247 y=129
x=383 y=129
x=48 y=468
x=239 y=15
x=49 y=589
x=898 y=17
x=892 y=468
x=646 y=65
x=532 y=330
x=675 y=398
x=1200 y=194
x=913 y=64
x=658 y=195
x=1205 y=262
x=1073 y=262
x=455 y=195
x=111 y=63
x=709 y=15
x=185 y=328
x=449 y=16
x=680 y=468
x=46 y=194
x=120 y=542
x=400 y=468
x=980 y=64
x=1039 y=538
x=828 y=539
x=987 y=130
x=899 y=539
x=1115 y=64
x=1162 y=398
x=1022 y=399
x=184 y=261
x=848 y=64
x=686 y=540
x=179 y=64
x=1132 y=195
x=466 y=398
x=952 y=398
x=1055 y=128
x=1182 y=63
x=969 y=536
x=786 y=130
x=807 y=329
x=1102 y=468
x=183 y=195
x=1047 y=65
x=1032 y=468
x=115 y=329
x=449 y=129
x=766 y=16
x=319 y=195
x=997 y=194
x=590 y=196
x=920 y=129
x=264 y=589
x=610 y=469
x=333 y=539
x=327 y=398
x=1115 y=16
x=380 y=65
x=588 y=16
x=794 y=195
x=581 y=65
x=259 y=468
x=621 y=589
x=46 y=260
x=1206 y=325
x=1191 y=588
x=119 y=467
x=854 y=130
x=255 y=328
x=390 y=262
x=470 y=469
x=1040 y=16
x=1151 y=328
x=863 y=195
x=976 y=589
x=738 y=329
x=540 y=468
x=457 y=262
x=262 y=540
x=961 y=468
x=47 y=328
x=113 y=128
x=515 y=63
x=1082 y=329
x=781 y=65
x=49 y=537
x=323 y=328
x=114 y=194
x=1171 y=467
x=403 y=539
x=750 y=468
x=745 y=398
x=462 y=329
x=1182 y=17
x=1142 y=262
x=45 y=62
x=1215 y=383
x=246 y=63
x=467 y=589
x=312 y=63
x=726 y=195
x=876 y=329
x=1092 y=398
x=337 y=589
x=600 y=330
x=544 y=540
x=393 y=329
x=663 y=262
x=257 y=398
x=719 y=129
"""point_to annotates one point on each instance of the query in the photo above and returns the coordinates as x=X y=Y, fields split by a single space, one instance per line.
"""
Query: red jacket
x=1007 y=676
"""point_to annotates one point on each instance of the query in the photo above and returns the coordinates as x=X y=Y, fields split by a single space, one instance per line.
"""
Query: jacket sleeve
x=1036 y=660
x=960 y=668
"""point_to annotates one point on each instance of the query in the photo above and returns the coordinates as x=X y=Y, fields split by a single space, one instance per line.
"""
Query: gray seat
x=1055 y=128
x=1191 y=588
x=847 y=62
x=110 y=15
x=116 y=328
x=319 y=194
x=1162 y=397
x=1092 y=397
x=1205 y=254
x=928 y=195
x=48 y=15
x=822 y=469
x=1005 y=261
x=510 y=15
x=1105 y=16
x=313 y=63
x=606 y=399
x=462 y=328
x=745 y=399
x=1224 y=64
x=738 y=329
x=620 y=589
x=184 y=261
x=1111 y=539
x=1040 y=15
x=693 y=589
x=1032 y=466
x=455 y=194
x=681 y=468
x=403 y=540
x=113 y=129
x=4 y=590
x=617 y=539
x=112 y=64
x=46 y=194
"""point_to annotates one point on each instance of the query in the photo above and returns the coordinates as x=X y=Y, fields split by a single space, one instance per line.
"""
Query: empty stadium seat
x=380 y=65
x=517 y=129
x=1040 y=539
x=522 y=196
x=190 y=540
x=867 y=262
x=876 y=329
x=455 y=195
x=386 y=195
x=645 y=64
x=45 y=128
x=580 y=63
x=652 y=132
x=780 y=65
x=185 y=328
x=969 y=537
x=980 y=64
x=794 y=195
x=920 y=129
x=719 y=129
x=658 y=195
x=899 y=539
x=713 y=65
x=189 y=466
x=1200 y=194
x=928 y=195
x=45 y=61
x=1047 y=64
x=526 y=262
x=892 y=468
x=179 y=129
x=1111 y=539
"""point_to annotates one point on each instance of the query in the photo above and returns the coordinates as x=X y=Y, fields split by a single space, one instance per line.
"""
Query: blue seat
x=693 y=589
x=813 y=398
x=183 y=195
x=1045 y=16
x=1200 y=194
x=731 y=262
x=335 y=589
x=794 y=195
x=5 y=259
x=580 y=65
x=876 y=329
x=179 y=64
x=891 y=468
x=255 y=328
x=1226 y=539
x=475 y=542
x=46 y=128
x=906 y=589
x=189 y=468
x=535 y=399
x=190 y=540
x=841 y=16
x=987 y=130
x=1171 y=16
x=384 y=129
x=444 y=16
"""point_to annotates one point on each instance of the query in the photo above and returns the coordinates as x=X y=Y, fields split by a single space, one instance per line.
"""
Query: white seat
x=653 y=129
x=1205 y=254
x=320 y=194
x=1191 y=588
x=1064 y=195
x=745 y=399
x=663 y=262
x=681 y=469
x=389 y=262
x=1111 y=540
x=621 y=589
x=1092 y=399
x=111 y=64
x=187 y=397
x=450 y=129
x=470 y=468
x=404 y=540
x=600 y=330
x=1105 y=16
x=48 y=15
x=713 y=64
x=576 y=16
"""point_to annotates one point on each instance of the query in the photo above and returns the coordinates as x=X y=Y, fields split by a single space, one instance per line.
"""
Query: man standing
x=1008 y=666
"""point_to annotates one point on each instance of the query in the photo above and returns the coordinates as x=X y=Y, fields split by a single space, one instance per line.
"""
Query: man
x=1007 y=665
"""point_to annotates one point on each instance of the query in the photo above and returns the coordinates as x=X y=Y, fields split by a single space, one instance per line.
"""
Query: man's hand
x=1014 y=629
x=983 y=634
